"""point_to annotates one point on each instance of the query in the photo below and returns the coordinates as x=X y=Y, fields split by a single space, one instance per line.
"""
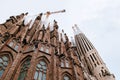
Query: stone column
x=13 y=67
x=32 y=68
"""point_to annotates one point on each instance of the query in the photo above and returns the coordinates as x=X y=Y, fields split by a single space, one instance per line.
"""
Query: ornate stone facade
x=41 y=53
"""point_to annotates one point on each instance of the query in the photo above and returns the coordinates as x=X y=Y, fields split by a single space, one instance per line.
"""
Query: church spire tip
x=76 y=29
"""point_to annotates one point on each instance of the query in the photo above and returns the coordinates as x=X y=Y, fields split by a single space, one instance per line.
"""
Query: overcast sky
x=99 y=20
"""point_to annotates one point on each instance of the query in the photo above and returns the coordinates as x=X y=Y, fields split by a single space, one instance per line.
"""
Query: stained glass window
x=41 y=70
x=66 y=77
x=3 y=64
x=24 y=69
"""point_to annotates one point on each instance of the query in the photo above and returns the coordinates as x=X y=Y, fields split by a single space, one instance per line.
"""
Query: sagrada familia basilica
x=33 y=50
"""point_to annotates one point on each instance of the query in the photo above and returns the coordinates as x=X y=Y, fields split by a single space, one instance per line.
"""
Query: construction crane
x=49 y=13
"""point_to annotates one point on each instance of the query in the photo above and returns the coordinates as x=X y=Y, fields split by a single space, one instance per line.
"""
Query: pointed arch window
x=4 y=60
x=66 y=77
x=24 y=68
x=41 y=70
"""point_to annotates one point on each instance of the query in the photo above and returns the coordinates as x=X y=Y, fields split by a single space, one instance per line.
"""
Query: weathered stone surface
x=40 y=43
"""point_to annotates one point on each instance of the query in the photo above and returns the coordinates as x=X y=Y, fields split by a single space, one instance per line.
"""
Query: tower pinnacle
x=76 y=29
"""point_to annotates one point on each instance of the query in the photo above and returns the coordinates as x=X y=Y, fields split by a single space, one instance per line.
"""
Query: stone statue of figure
x=55 y=28
x=66 y=37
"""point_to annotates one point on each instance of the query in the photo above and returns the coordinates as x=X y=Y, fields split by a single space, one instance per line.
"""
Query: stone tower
x=90 y=58
x=34 y=50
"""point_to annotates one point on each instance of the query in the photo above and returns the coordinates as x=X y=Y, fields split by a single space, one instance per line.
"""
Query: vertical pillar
x=52 y=73
x=32 y=67
x=13 y=67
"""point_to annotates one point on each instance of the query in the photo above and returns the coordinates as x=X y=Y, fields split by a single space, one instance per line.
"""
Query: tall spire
x=76 y=29
x=90 y=57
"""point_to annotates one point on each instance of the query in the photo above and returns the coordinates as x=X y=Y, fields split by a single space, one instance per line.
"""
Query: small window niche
x=42 y=48
x=67 y=63
x=16 y=47
x=62 y=64
x=47 y=50
x=11 y=44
